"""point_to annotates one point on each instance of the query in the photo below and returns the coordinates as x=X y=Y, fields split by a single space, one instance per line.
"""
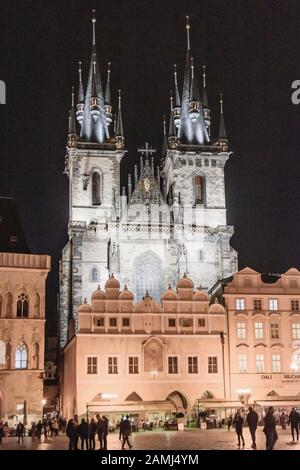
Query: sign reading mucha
x=153 y=356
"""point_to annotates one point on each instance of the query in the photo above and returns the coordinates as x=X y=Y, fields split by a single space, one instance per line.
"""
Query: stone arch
x=133 y=397
x=179 y=401
x=22 y=305
x=207 y=394
x=148 y=275
x=21 y=357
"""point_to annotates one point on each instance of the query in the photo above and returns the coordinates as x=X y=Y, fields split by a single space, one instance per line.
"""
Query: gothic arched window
x=21 y=359
x=147 y=275
x=199 y=189
x=96 y=189
x=94 y=274
x=22 y=306
x=8 y=305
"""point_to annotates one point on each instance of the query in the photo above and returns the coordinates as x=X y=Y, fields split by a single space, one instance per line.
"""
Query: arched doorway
x=147 y=275
x=179 y=400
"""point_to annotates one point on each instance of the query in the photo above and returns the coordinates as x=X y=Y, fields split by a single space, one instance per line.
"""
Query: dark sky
x=251 y=50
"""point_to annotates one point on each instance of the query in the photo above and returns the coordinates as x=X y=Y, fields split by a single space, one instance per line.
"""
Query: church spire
x=95 y=100
x=107 y=100
x=119 y=131
x=164 y=146
x=206 y=110
x=176 y=109
x=194 y=108
x=80 y=98
x=172 y=139
x=72 y=134
x=222 y=129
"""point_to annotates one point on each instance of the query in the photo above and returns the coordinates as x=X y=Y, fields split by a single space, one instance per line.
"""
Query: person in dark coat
x=70 y=432
x=282 y=420
x=252 y=420
x=294 y=420
x=84 y=434
x=229 y=422
x=125 y=430
x=20 y=432
x=105 y=432
x=92 y=433
x=39 y=428
x=238 y=422
x=99 y=431
x=76 y=429
x=270 y=429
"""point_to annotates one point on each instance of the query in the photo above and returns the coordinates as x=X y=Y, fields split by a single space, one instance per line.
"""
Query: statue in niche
x=153 y=357
x=182 y=258
x=115 y=258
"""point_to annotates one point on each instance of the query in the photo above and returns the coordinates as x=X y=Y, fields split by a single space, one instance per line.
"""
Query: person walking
x=33 y=430
x=238 y=422
x=99 y=431
x=55 y=427
x=71 y=433
x=20 y=432
x=6 y=431
x=84 y=434
x=92 y=433
x=252 y=420
x=125 y=429
x=39 y=428
x=229 y=422
x=105 y=432
x=294 y=420
x=270 y=429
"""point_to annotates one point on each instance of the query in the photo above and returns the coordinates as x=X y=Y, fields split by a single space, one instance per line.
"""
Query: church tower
x=193 y=171
x=95 y=148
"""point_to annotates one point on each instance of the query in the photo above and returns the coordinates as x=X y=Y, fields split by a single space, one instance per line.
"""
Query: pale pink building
x=147 y=358
x=264 y=337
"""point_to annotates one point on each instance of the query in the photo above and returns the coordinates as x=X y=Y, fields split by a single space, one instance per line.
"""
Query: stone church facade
x=170 y=220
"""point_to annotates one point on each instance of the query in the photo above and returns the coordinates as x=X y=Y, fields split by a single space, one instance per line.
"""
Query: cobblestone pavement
x=189 y=439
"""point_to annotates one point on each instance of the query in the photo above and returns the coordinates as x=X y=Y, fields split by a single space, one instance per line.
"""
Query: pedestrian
x=252 y=420
x=238 y=422
x=6 y=431
x=76 y=429
x=125 y=429
x=229 y=422
x=99 y=431
x=71 y=433
x=1 y=431
x=105 y=432
x=282 y=420
x=33 y=430
x=294 y=420
x=92 y=433
x=39 y=428
x=270 y=429
x=84 y=434
x=20 y=432
x=55 y=427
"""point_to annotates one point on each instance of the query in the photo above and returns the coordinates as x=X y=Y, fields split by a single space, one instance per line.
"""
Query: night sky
x=251 y=50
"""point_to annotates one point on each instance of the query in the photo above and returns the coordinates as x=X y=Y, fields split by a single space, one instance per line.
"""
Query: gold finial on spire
x=80 y=70
x=119 y=97
x=204 y=75
x=188 y=31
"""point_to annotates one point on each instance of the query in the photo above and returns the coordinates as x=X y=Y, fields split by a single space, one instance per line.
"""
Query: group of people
x=87 y=430
x=269 y=426
x=4 y=431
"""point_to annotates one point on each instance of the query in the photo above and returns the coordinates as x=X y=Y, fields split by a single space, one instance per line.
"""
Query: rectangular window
x=173 y=364
x=113 y=322
x=240 y=304
x=242 y=362
x=125 y=322
x=274 y=330
x=172 y=322
x=193 y=365
x=241 y=330
x=100 y=321
x=296 y=330
x=273 y=304
x=201 y=322
x=258 y=330
x=212 y=364
x=260 y=363
x=133 y=365
x=92 y=363
x=257 y=304
x=112 y=365
x=295 y=305
x=276 y=363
